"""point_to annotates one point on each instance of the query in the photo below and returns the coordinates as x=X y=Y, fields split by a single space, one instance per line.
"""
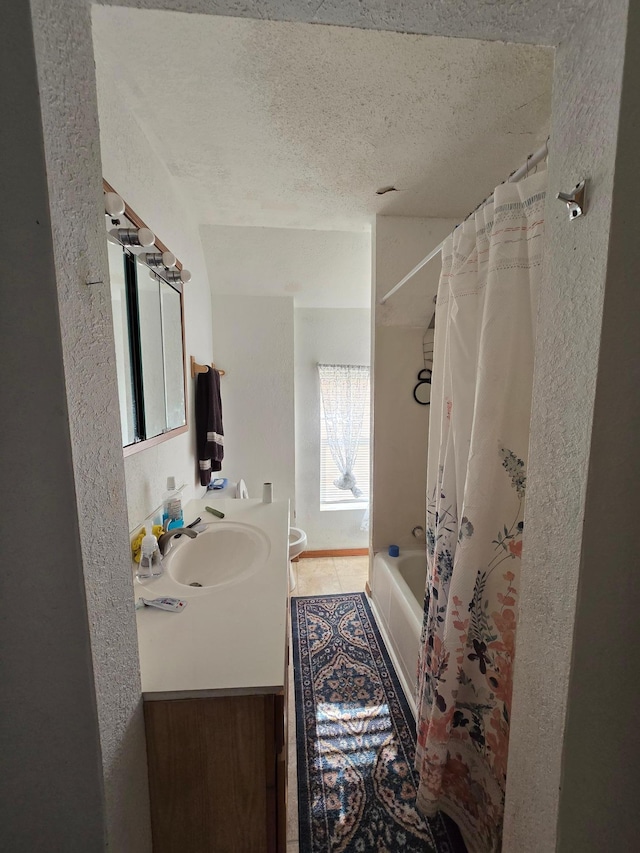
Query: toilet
x=297 y=544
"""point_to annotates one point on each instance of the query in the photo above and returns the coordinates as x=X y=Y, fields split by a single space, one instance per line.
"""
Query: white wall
x=400 y=425
x=399 y=243
x=253 y=343
x=132 y=167
x=319 y=269
x=331 y=336
x=401 y=432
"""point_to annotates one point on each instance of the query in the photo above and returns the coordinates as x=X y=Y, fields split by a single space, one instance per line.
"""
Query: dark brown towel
x=209 y=430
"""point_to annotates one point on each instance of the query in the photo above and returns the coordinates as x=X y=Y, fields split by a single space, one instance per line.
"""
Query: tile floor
x=325 y=575
x=318 y=576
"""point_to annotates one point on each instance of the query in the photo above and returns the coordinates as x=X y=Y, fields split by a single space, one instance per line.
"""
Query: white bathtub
x=397 y=594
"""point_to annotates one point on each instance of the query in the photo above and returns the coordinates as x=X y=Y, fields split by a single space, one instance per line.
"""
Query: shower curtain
x=476 y=481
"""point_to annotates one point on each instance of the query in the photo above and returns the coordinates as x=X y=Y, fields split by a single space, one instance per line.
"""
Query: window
x=344 y=436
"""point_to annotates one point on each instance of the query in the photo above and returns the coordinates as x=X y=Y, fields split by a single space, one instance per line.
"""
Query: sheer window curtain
x=344 y=389
x=476 y=480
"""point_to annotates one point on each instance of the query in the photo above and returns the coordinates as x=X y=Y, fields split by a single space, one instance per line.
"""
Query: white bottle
x=172 y=506
x=147 y=550
x=157 y=567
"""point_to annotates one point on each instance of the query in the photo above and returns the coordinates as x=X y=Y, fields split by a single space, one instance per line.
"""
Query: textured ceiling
x=545 y=22
x=295 y=125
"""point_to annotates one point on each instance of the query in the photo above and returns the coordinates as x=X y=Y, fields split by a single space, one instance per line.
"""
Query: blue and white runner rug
x=355 y=738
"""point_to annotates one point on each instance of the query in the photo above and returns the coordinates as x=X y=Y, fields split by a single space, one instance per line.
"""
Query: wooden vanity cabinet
x=218 y=773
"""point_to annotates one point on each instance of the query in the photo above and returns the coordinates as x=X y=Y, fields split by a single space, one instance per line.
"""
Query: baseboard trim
x=338 y=552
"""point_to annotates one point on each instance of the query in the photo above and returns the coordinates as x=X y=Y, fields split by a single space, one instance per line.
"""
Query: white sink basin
x=227 y=551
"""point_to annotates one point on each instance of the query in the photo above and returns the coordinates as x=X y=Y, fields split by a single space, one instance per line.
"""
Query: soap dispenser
x=150 y=560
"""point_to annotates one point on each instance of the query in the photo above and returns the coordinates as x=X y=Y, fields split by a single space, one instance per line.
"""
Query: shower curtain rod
x=532 y=160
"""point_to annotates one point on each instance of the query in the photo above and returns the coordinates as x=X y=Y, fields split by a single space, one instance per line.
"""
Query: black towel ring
x=423 y=396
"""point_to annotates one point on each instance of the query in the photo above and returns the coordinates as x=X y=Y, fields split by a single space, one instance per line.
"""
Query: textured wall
x=253 y=342
x=584 y=131
x=601 y=758
x=50 y=761
x=331 y=336
x=131 y=165
x=71 y=145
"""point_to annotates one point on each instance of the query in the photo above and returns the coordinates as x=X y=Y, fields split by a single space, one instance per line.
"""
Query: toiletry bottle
x=172 y=506
x=148 y=549
x=157 y=566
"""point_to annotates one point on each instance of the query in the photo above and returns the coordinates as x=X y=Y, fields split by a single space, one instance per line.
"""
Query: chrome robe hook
x=575 y=200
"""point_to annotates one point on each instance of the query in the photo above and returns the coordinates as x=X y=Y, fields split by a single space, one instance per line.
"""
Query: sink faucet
x=165 y=539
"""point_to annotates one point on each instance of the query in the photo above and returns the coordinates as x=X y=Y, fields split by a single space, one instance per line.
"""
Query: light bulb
x=134 y=236
x=153 y=259
x=113 y=204
x=178 y=275
x=146 y=237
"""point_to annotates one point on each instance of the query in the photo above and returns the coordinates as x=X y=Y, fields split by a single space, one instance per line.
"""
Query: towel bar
x=202 y=368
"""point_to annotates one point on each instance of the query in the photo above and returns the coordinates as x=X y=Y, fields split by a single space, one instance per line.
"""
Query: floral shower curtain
x=476 y=479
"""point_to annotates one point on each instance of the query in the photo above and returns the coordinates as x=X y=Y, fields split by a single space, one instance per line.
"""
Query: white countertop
x=231 y=638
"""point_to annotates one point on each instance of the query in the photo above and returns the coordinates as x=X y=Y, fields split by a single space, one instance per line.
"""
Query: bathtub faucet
x=418 y=532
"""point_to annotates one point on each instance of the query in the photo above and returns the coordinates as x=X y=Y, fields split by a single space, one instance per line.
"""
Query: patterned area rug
x=355 y=738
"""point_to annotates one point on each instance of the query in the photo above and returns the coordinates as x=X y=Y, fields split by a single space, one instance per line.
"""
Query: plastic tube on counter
x=175 y=605
x=214 y=511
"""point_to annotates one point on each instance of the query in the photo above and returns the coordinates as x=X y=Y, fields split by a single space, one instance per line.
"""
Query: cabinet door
x=281 y=770
x=211 y=770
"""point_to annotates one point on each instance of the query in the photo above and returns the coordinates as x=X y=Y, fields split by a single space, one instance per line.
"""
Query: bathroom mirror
x=148 y=332
x=121 y=337
x=173 y=355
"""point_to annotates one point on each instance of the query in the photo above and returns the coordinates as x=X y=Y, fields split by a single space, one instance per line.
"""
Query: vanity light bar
x=137 y=234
